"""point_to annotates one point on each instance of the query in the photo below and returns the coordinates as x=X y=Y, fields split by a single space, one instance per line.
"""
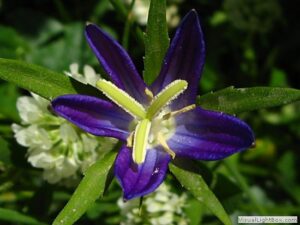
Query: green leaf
x=44 y=82
x=194 y=183
x=156 y=40
x=17 y=217
x=59 y=51
x=4 y=151
x=231 y=164
x=236 y=100
x=90 y=188
x=12 y=45
x=194 y=211
x=288 y=174
x=8 y=106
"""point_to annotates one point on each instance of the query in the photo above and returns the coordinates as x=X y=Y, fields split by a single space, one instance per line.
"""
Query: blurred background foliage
x=249 y=43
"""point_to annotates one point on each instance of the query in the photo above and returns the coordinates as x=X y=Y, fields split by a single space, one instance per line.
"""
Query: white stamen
x=165 y=145
x=130 y=140
x=178 y=112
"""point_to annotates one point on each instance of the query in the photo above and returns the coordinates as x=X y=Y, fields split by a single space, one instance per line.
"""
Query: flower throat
x=154 y=123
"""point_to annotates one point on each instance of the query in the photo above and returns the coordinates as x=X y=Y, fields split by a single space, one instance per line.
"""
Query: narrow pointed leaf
x=14 y=217
x=194 y=183
x=237 y=100
x=156 y=40
x=90 y=188
x=44 y=82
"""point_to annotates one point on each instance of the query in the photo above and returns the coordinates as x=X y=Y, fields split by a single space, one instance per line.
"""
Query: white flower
x=162 y=207
x=32 y=136
x=55 y=145
x=90 y=76
x=165 y=219
x=172 y=16
x=141 y=8
x=32 y=109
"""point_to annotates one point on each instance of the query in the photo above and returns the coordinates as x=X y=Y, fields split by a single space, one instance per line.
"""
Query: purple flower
x=159 y=122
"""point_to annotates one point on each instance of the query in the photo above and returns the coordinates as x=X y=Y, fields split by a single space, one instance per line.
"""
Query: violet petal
x=209 y=135
x=116 y=62
x=96 y=116
x=138 y=180
x=184 y=59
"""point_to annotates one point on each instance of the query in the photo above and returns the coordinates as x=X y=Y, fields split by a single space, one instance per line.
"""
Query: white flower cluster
x=162 y=207
x=141 y=8
x=55 y=145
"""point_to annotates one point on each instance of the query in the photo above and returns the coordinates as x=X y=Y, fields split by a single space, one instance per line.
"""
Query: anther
x=165 y=145
x=149 y=94
x=178 y=112
x=130 y=140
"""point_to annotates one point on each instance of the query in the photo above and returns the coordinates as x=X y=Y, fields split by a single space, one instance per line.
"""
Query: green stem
x=128 y=24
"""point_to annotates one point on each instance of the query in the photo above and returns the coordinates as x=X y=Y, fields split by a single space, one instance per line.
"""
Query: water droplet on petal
x=155 y=171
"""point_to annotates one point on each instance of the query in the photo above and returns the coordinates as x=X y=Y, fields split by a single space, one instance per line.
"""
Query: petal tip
x=193 y=12
x=88 y=23
x=56 y=102
x=128 y=196
x=192 y=15
x=90 y=27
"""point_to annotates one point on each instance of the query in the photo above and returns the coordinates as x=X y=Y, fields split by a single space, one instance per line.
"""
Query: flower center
x=153 y=124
